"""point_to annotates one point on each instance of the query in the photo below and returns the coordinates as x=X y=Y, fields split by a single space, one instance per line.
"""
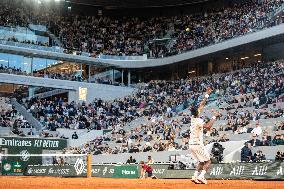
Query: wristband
x=214 y=117
x=207 y=96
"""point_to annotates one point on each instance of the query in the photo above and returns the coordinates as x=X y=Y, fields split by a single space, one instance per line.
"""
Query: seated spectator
x=147 y=147
x=265 y=141
x=150 y=160
x=214 y=132
x=31 y=132
x=278 y=140
x=246 y=154
x=258 y=156
x=75 y=136
x=131 y=160
x=279 y=156
x=255 y=141
x=257 y=130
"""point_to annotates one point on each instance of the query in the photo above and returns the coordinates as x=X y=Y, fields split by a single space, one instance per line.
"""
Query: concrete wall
x=105 y=92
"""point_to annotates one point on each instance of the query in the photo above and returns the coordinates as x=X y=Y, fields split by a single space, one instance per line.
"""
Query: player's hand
x=209 y=90
x=217 y=114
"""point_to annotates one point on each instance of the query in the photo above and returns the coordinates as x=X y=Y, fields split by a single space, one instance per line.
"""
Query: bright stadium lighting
x=257 y=55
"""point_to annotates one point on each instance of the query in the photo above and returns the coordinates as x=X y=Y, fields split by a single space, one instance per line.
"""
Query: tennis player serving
x=196 y=146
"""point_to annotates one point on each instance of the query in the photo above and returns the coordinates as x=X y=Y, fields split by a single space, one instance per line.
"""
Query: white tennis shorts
x=199 y=153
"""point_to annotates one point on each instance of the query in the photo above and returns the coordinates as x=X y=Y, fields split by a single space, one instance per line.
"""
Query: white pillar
x=122 y=75
x=129 y=78
x=89 y=74
x=112 y=76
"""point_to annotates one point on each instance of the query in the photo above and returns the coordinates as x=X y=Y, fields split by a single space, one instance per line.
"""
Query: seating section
x=11 y=122
x=131 y=36
x=157 y=117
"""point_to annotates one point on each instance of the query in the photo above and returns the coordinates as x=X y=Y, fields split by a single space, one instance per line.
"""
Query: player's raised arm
x=211 y=122
x=203 y=102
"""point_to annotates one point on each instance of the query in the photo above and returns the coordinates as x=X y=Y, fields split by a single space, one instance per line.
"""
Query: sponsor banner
x=125 y=171
x=12 y=168
x=26 y=146
x=106 y=171
x=50 y=144
x=266 y=170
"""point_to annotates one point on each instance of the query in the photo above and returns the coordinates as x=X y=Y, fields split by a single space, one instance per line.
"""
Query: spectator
x=131 y=160
x=258 y=156
x=257 y=130
x=255 y=141
x=279 y=156
x=246 y=154
x=31 y=132
x=150 y=160
x=75 y=136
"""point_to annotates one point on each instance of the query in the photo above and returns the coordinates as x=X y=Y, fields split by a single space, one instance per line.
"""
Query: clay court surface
x=7 y=182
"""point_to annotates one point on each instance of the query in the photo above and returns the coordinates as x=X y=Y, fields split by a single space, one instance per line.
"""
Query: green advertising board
x=23 y=147
x=263 y=171
x=12 y=168
x=125 y=171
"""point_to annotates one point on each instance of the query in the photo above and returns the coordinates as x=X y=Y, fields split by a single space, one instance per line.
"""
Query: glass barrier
x=31 y=46
x=38 y=27
x=20 y=35
x=113 y=57
x=17 y=29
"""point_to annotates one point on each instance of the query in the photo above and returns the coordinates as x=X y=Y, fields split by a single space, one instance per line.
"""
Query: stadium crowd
x=248 y=98
x=10 y=117
x=136 y=36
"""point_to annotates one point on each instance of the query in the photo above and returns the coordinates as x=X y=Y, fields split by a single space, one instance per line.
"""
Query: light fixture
x=193 y=71
x=227 y=58
x=243 y=58
x=257 y=55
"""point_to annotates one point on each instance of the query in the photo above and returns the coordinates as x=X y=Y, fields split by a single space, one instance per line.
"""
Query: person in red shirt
x=146 y=169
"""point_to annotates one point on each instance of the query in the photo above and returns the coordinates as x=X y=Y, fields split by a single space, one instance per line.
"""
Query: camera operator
x=279 y=156
x=217 y=152
x=259 y=156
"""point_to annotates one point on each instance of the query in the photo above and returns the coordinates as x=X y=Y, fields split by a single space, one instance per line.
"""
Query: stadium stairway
x=27 y=116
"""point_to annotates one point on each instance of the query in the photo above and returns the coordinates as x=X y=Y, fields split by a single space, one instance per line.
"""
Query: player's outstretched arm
x=203 y=102
x=211 y=122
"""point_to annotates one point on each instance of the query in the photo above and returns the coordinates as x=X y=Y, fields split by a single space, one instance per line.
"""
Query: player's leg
x=205 y=157
x=199 y=166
